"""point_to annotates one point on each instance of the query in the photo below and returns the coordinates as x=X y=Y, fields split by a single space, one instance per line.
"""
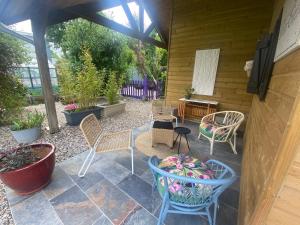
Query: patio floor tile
x=115 y=204
x=72 y=166
x=112 y=171
x=147 y=176
x=35 y=210
x=141 y=191
x=14 y=198
x=73 y=207
x=140 y=165
x=90 y=178
x=140 y=216
x=103 y=220
x=60 y=182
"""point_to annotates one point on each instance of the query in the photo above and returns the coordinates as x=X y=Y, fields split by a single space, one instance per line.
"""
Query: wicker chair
x=162 y=112
x=221 y=131
x=194 y=196
x=100 y=142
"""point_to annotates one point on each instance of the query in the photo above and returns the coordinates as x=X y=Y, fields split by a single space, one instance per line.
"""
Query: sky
x=117 y=14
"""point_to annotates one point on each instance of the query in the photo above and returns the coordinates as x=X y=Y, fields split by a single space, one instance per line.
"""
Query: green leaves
x=89 y=83
x=108 y=49
x=112 y=89
x=12 y=91
x=31 y=120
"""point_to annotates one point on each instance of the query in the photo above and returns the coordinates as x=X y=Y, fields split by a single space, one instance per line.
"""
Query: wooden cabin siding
x=266 y=126
x=270 y=181
x=232 y=26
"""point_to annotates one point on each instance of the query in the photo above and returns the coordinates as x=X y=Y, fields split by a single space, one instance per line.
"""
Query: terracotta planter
x=34 y=177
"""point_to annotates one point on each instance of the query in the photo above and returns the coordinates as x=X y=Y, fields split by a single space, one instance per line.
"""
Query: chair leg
x=162 y=210
x=132 y=163
x=87 y=163
x=233 y=145
x=199 y=136
x=215 y=212
x=211 y=146
x=209 y=216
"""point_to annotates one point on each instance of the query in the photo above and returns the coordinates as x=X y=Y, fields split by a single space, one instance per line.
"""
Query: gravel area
x=69 y=141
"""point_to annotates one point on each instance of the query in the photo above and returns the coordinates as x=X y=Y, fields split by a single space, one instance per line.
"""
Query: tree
x=109 y=49
x=12 y=91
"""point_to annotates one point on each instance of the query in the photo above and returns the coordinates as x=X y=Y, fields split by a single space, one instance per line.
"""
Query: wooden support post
x=38 y=23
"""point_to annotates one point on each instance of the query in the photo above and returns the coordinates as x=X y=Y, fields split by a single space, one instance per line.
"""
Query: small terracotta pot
x=34 y=177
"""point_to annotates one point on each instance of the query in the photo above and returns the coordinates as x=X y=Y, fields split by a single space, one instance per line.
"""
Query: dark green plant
x=17 y=159
x=112 y=89
x=189 y=92
x=12 y=91
x=30 y=120
x=108 y=49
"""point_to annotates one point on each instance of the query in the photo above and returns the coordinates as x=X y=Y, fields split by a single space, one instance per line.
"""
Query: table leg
x=187 y=142
x=175 y=139
x=179 y=145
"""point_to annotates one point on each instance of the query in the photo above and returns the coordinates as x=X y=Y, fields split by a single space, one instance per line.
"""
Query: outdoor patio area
x=109 y=194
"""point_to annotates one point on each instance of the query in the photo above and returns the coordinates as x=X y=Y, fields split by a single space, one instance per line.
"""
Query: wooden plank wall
x=264 y=133
x=270 y=143
x=232 y=26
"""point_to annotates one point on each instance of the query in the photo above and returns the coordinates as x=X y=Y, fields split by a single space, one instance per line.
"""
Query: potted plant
x=27 y=128
x=27 y=169
x=189 y=92
x=114 y=105
x=86 y=91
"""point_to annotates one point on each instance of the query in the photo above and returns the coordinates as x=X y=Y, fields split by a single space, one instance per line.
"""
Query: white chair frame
x=233 y=120
x=89 y=158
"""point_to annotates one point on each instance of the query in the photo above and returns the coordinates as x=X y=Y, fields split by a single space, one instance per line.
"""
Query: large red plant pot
x=33 y=177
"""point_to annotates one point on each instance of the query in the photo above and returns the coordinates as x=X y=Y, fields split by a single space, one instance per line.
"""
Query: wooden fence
x=143 y=89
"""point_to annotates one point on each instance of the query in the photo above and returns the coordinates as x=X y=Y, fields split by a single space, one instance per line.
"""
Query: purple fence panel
x=142 y=89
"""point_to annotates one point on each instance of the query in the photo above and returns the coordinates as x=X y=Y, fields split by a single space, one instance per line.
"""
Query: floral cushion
x=208 y=127
x=185 y=192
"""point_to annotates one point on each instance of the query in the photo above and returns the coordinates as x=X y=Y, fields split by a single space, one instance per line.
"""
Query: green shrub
x=12 y=91
x=112 y=89
x=31 y=120
x=89 y=83
x=66 y=81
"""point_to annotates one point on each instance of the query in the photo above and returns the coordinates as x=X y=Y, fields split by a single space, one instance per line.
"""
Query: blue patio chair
x=196 y=196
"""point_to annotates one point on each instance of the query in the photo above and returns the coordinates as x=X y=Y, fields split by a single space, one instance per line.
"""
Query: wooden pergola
x=49 y=12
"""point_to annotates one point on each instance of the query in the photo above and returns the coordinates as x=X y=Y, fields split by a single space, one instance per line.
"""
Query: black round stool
x=182 y=131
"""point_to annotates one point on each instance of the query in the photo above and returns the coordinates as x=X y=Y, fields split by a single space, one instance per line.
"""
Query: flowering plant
x=71 y=107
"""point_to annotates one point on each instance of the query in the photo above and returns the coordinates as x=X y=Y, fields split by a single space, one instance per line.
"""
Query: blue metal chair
x=196 y=196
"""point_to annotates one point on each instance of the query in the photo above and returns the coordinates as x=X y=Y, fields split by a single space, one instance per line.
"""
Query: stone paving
x=110 y=194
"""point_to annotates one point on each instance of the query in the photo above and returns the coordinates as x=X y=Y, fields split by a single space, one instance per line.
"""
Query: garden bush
x=13 y=93
x=89 y=83
x=112 y=89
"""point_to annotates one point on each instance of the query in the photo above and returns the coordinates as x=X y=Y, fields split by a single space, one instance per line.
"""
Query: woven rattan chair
x=223 y=130
x=191 y=196
x=162 y=112
x=100 y=142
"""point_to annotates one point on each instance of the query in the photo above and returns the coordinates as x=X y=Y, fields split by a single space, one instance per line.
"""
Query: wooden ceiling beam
x=101 y=20
x=129 y=15
x=154 y=21
x=149 y=29
x=141 y=18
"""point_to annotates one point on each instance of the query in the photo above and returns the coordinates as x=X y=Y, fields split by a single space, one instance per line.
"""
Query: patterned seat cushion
x=185 y=192
x=208 y=127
